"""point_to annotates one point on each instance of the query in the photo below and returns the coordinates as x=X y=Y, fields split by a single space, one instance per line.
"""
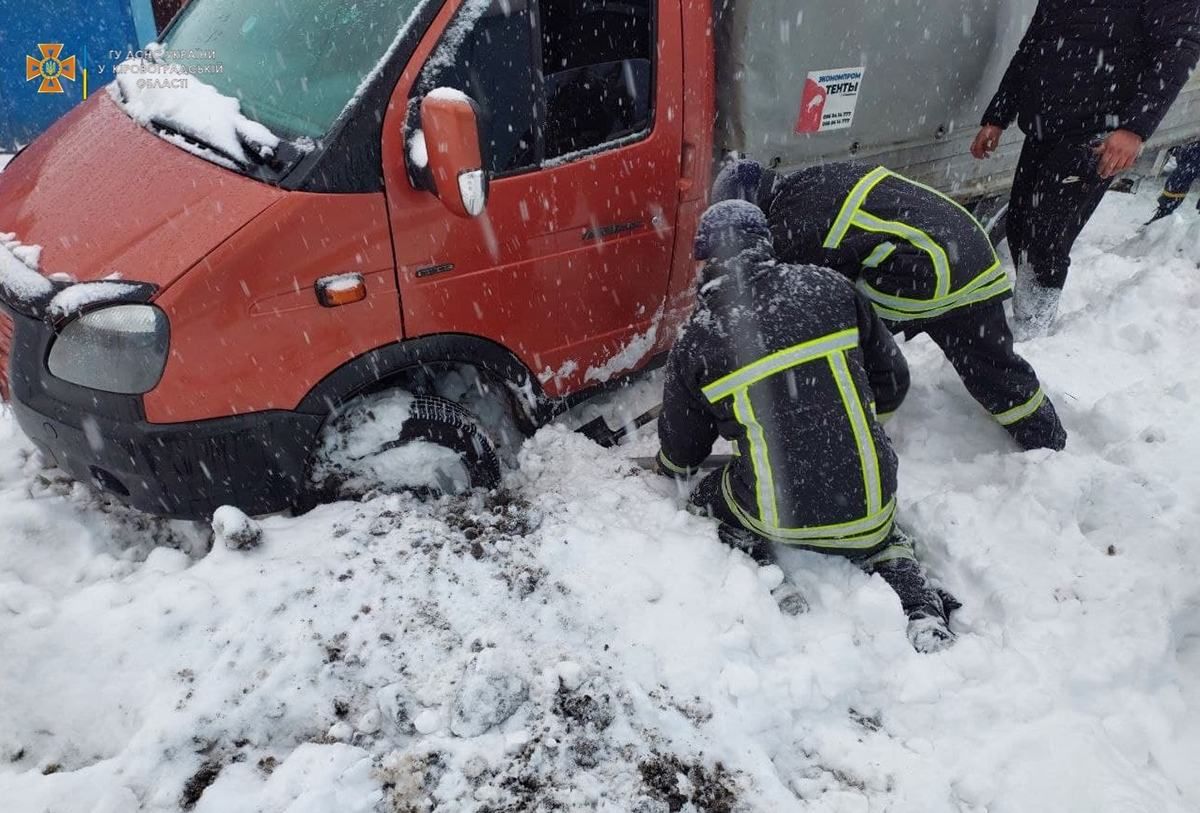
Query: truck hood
x=105 y=197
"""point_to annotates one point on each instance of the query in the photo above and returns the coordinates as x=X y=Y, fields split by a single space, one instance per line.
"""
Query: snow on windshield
x=151 y=93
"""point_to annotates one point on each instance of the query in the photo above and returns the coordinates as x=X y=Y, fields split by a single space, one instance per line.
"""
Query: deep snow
x=579 y=641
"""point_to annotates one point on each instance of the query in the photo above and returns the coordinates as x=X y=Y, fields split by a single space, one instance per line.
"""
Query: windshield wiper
x=240 y=161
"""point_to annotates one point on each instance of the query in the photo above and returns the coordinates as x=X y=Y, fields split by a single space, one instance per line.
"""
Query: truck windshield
x=293 y=64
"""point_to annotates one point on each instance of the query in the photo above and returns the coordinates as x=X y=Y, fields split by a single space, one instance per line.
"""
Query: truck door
x=582 y=118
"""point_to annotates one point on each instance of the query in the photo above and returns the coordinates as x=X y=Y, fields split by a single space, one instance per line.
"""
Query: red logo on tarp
x=812 y=107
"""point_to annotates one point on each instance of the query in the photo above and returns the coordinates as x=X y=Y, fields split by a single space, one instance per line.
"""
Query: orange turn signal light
x=341 y=289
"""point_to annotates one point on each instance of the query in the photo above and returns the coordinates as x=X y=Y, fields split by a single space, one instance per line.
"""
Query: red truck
x=362 y=196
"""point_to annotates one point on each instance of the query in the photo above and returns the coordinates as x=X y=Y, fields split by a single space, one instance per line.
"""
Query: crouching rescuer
x=791 y=364
x=923 y=261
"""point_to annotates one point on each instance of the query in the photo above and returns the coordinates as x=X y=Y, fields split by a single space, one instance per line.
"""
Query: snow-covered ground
x=579 y=642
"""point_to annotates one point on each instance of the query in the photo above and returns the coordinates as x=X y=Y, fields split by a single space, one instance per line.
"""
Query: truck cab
x=367 y=195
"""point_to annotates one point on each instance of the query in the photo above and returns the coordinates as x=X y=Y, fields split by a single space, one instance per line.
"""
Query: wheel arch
x=531 y=407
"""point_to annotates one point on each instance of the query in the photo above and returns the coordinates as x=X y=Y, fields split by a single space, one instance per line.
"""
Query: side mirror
x=450 y=125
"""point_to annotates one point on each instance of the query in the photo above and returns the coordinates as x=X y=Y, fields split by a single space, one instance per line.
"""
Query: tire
x=6 y=336
x=358 y=449
x=445 y=423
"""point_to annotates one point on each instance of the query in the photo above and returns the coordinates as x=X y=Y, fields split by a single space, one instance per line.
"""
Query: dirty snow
x=156 y=92
x=578 y=642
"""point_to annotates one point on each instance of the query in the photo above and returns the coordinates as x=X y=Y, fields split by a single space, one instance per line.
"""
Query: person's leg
x=1020 y=202
x=928 y=609
x=708 y=501
x=1059 y=201
x=979 y=345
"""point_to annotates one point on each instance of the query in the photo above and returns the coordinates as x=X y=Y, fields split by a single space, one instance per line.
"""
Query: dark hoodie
x=790 y=363
x=1085 y=68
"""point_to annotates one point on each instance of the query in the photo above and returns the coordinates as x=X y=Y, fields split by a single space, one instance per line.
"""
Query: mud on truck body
x=504 y=190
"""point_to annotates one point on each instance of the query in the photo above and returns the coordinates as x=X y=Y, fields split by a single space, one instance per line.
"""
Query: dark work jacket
x=789 y=363
x=1085 y=68
x=915 y=253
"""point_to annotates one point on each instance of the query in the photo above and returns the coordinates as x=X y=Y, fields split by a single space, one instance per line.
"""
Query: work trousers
x=1055 y=192
x=708 y=500
x=893 y=559
x=979 y=345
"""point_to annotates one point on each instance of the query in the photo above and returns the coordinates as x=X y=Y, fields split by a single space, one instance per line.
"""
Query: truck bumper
x=256 y=461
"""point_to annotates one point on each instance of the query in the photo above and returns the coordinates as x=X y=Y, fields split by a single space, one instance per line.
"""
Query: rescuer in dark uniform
x=792 y=365
x=1179 y=182
x=922 y=260
x=1088 y=85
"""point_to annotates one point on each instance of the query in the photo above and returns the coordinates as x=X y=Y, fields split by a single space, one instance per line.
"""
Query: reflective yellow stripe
x=997 y=288
x=764 y=483
x=738 y=383
x=859 y=534
x=863 y=438
x=985 y=277
x=881 y=253
x=1174 y=195
x=900 y=308
x=852 y=204
x=937 y=255
x=779 y=361
x=889 y=554
x=1022 y=411
x=669 y=466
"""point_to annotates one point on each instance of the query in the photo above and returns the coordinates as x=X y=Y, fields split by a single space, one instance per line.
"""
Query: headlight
x=118 y=349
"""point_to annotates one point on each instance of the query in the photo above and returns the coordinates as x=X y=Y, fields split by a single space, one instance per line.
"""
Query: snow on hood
x=195 y=108
x=168 y=208
x=78 y=297
x=19 y=277
x=23 y=286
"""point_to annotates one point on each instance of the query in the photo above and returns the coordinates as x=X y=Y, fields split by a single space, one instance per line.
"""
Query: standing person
x=922 y=260
x=791 y=364
x=1088 y=85
x=1179 y=182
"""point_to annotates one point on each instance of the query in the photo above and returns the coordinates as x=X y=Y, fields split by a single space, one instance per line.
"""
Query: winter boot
x=928 y=610
x=1041 y=430
x=789 y=598
x=1034 y=307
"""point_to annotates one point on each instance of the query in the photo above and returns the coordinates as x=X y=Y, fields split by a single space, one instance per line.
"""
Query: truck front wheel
x=395 y=441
